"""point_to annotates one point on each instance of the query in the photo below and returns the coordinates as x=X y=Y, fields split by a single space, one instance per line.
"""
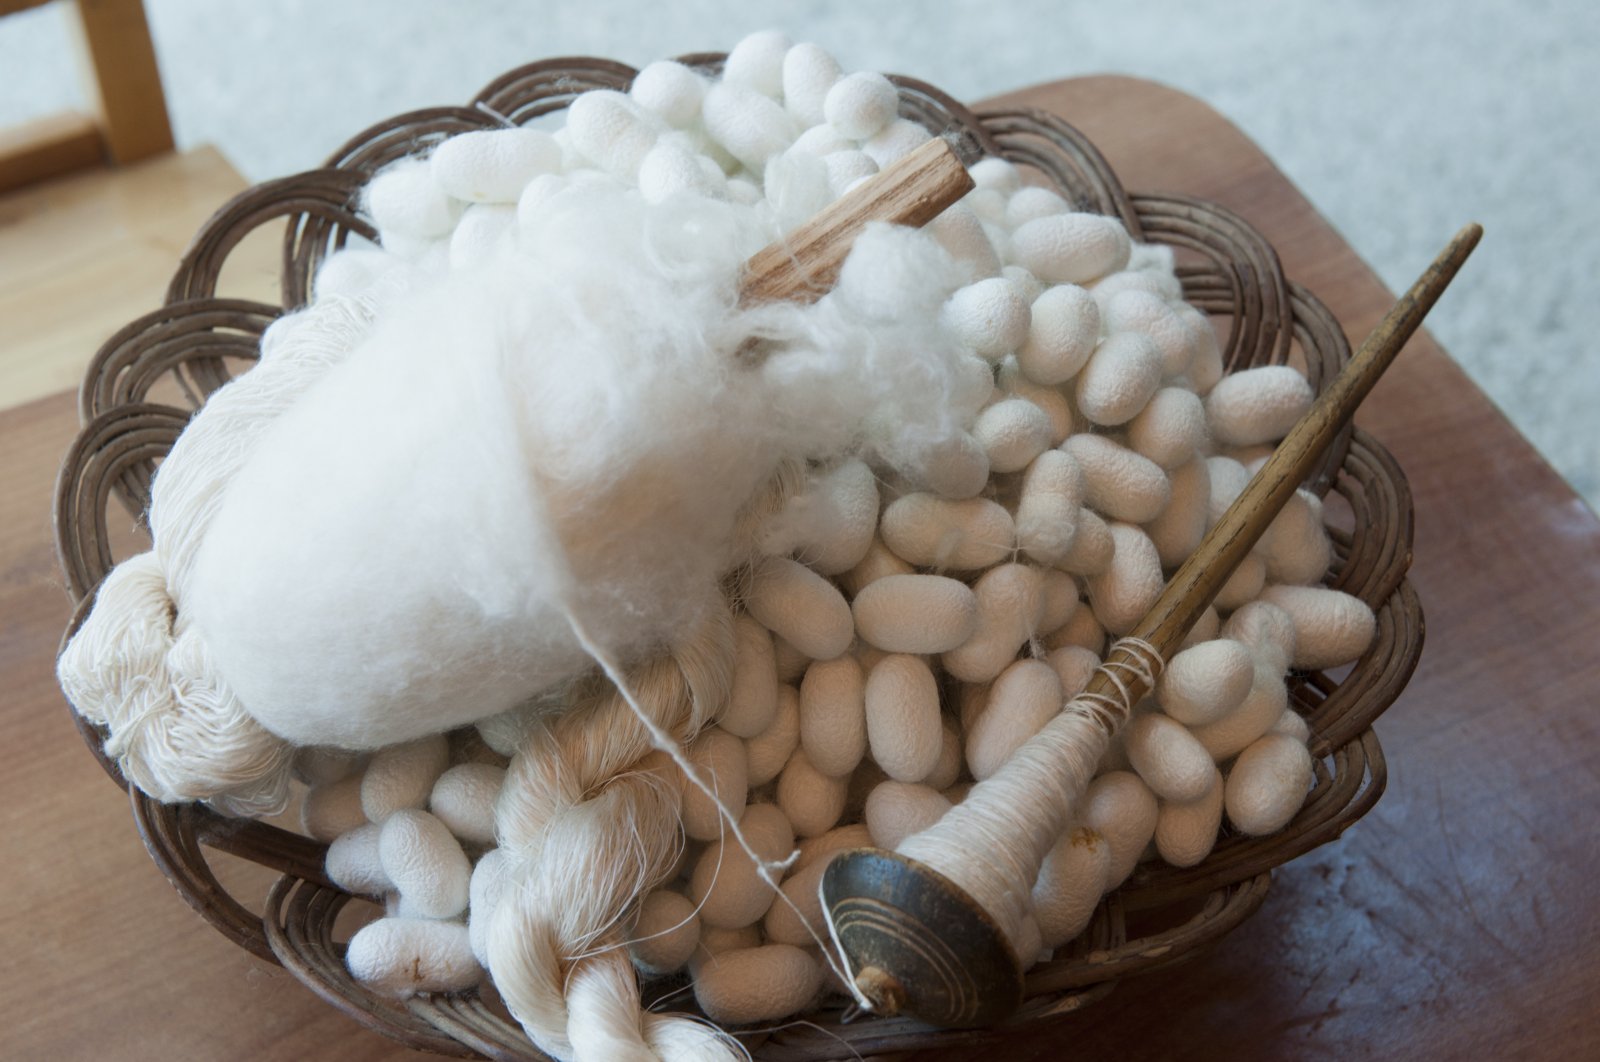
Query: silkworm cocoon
x=833 y=715
x=1292 y=724
x=932 y=532
x=996 y=173
x=756 y=62
x=800 y=920
x=404 y=957
x=665 y=933
x=1154 y=318
x=767 y=752
x=974 y=386
x=1092 y=546
x=1071 y=248
x=1268 y=631
x=404 y=198
x=1204 y=629
x=354 y=865
x=1331 y=628
x=801 y=606
x=1121 y=809
x=493 y=165
x=331 y=810
x=1187 y=831
x=425 y=863
x=959 y=232
x=896 y=810
x=1063 y=328
x=989 y=316
x=1120 y=378
x=947 y=768
x=751 y=126
x=1074 y=666
x=1027 y=285
x=1052 y=495
x=464 y=799
x=1268 y=784
x=1117 y=481
x=669 y=169
x=1012 y=433
x=860 y=104
x=1257 y=405
x=402 y=776
x=1058 y=593
x=1010 y=601
x=1070 y=884
x=726 y=886
x=955 y=468
x=1263 y=706
x=715 y=941
x=792 y=663
x=1203 y=683
x=903 y=723
x=812 y=801
x=1082 y=629
x=1228 y=480
x=504 y=731
x=896 y=140
x=489 y=879
x=1156 y=283
x=823 y=846
x=1124 y=592
x=670 y=90
x=1026 y=204
x=916 y=613
x=878 y=563
x=830 y=525
x=1296 y=546
x=753 y=695
x=1025 y=697
x=611 y=130
x=822 y=141
x=808 y=73
x=719 y=759
x=1170 y=428
x=483 y=232
x=757 y=984
x=1182 y=524
x=845 y=168
x=1055 y=405
x=1205 y=358
x=1172 y=763
x=321 y=765
x=1244 y=585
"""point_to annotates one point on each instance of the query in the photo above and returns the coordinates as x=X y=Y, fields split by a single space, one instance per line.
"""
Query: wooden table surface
x=1458 y=919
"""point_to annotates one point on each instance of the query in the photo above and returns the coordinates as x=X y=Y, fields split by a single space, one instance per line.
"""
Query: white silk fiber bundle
x=564 y=426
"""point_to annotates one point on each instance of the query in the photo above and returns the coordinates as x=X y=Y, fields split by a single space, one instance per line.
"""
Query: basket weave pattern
x=1229 y=271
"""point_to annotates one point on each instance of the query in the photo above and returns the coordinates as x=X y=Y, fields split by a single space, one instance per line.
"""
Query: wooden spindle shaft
x=912 y=191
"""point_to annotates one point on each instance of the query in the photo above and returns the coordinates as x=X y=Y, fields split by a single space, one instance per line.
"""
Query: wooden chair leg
x=125 y=83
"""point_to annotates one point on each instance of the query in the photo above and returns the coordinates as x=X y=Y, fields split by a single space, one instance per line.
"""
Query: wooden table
x=1458 y=919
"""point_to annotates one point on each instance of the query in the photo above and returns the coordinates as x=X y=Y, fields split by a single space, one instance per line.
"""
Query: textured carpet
x=1400 y=121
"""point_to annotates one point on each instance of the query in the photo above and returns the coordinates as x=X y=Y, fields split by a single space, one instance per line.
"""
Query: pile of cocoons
x=928 y=596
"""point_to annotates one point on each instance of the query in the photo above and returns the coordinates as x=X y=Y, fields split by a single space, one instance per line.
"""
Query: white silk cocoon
x=563 y=427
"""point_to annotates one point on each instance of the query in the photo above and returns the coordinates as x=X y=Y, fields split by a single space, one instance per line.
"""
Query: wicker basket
x=1159 y=917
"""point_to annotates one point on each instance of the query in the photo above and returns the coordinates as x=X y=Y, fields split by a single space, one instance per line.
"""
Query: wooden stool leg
x=124 y=82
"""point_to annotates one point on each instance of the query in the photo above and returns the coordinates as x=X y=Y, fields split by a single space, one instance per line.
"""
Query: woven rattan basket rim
x=1229 y=271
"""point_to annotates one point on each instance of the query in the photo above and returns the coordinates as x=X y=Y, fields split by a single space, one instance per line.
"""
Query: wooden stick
x=912 y=191
x=923 y=945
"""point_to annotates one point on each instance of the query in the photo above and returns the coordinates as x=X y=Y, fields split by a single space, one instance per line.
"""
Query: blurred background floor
x=1400 y=121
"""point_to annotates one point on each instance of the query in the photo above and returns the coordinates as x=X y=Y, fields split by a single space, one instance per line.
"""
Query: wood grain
x=803 y=266
x=47 y=147
x=1454 y=921
x=122 y=78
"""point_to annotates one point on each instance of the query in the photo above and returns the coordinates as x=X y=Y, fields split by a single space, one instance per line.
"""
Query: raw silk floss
x=517 y=468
